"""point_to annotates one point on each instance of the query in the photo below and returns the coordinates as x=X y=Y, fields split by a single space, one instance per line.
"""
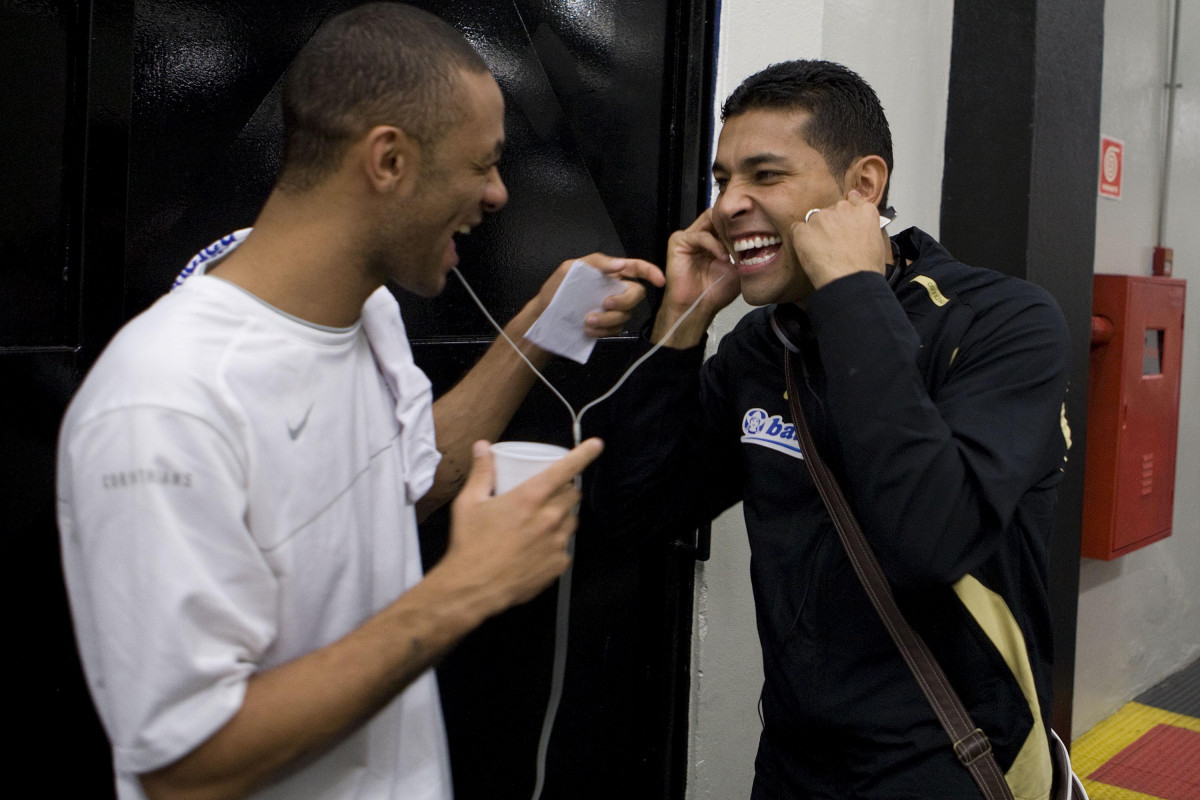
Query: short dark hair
x=846 y=119
x=377 y=64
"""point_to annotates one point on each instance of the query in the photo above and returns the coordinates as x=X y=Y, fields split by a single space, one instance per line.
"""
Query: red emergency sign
x=1111 y=167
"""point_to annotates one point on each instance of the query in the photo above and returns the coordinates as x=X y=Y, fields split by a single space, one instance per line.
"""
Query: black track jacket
x=936 y=397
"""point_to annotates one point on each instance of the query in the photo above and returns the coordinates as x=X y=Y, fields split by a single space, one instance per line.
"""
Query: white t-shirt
x=235 y=489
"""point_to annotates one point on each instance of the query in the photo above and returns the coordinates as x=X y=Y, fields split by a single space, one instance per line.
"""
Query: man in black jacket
x=935 y=393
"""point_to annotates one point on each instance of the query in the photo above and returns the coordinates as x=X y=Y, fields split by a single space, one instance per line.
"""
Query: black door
x=64 y=124
x=156 y=130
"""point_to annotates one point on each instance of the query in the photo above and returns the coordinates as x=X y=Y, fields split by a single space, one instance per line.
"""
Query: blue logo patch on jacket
x=771 y=431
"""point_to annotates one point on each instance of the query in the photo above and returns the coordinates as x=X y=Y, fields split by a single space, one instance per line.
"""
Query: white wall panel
x=1139 y=616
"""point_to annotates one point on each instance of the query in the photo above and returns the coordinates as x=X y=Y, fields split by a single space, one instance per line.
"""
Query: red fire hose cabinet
x=1133 y=412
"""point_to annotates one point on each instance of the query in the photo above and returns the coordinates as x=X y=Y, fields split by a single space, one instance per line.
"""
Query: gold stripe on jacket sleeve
x=1031 y=772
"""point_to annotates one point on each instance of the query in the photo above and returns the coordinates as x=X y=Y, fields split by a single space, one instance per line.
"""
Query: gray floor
x=1179 y=693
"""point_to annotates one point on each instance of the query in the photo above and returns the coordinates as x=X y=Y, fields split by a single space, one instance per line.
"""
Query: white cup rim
x=530 y=451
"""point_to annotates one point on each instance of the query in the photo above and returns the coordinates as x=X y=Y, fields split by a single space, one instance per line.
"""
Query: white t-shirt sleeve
x=173 y=601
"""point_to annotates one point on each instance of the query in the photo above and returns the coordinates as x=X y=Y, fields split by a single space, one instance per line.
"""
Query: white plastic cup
x=517 y=462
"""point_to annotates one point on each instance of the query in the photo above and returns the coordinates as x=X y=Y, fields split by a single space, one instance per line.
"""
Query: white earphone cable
x=563 y=606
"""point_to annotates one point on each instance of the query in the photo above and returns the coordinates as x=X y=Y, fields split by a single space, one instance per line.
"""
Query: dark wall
x=1019 y=196
x=38 y=79
x=59 y=99
x=141 y=131
x=585 y=120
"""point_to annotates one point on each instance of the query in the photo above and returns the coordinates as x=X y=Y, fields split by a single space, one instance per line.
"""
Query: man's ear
x=869 y=176
x=390 y=158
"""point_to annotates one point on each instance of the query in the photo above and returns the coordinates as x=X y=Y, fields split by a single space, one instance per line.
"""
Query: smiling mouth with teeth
x=753 y=250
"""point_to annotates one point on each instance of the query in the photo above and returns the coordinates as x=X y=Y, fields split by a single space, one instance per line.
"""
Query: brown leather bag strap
x=971 y=746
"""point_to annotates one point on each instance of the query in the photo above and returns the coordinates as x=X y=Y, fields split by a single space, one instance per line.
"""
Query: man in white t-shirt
x=241 y=474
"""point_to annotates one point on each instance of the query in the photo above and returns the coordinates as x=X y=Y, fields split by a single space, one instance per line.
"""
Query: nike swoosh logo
x=295 y=432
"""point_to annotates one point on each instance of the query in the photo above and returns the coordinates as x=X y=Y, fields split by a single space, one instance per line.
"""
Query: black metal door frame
x=1019 y=196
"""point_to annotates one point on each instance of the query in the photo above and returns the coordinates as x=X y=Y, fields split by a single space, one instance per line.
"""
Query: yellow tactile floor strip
x=1094 y=749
